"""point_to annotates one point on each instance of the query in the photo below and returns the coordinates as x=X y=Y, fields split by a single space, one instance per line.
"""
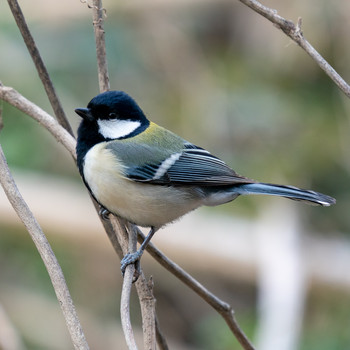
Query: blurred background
x=225 y=78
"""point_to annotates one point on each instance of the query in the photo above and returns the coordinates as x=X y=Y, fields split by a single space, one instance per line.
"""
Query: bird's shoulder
x=154 y=144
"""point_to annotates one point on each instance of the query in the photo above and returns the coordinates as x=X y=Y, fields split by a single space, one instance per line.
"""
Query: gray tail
x=290 y=192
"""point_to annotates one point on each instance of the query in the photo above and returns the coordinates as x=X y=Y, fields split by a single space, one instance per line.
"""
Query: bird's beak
x=85 y=113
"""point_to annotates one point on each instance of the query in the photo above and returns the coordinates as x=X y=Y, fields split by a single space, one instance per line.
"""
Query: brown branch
x=39 y=64
x=161 y=341
x=120 y=231
x=46 y=253
x=223 y=308
x=148 y=311
x=14 y=98
x=143 y=288
x=295 y=33
x=98 y=13
x=126 y=290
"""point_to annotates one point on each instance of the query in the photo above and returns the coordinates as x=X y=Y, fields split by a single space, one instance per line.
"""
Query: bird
x=146 y=174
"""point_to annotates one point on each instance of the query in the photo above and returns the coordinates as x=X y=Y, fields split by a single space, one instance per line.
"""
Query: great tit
x=149 y=176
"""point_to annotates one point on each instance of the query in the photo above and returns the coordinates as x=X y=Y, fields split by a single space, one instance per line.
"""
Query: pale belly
x=140 y=203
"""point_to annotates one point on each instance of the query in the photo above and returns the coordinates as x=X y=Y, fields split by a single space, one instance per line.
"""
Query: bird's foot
x=104 y=213
x=129 y=259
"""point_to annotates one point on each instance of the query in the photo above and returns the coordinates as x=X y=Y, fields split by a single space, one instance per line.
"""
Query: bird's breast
x=141 y=203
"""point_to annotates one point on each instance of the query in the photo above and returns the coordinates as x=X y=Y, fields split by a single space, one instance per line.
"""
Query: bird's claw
x=104 y=213
x=129 y=259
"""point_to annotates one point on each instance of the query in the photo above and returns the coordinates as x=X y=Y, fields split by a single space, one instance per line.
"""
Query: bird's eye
x=113 y=115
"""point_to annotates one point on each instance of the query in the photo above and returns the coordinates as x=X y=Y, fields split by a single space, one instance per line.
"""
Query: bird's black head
x=108 y=116
x=112 y=115
x=112 y=105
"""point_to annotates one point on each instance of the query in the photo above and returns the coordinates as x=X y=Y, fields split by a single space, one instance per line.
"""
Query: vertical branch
x=128 y=242
x=98 y=13
x=125 y=308
x=148 y=311
x=143 y=288
x=46 y=253
x=39 y=64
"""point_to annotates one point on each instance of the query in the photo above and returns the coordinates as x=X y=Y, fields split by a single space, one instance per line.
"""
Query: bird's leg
x=103 y=212
x=134 y=258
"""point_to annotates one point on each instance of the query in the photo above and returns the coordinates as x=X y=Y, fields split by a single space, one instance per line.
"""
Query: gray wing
x=191 y=165
x=198 y=167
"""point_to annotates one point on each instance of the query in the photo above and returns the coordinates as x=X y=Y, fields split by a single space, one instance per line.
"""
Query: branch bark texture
x=14 y=98
x=125 y=232
x=103 y=77
x=128 y=242
x=127 y=237
x=46 y=253
x=295 y=33
x=223 y=308
x=39 y=64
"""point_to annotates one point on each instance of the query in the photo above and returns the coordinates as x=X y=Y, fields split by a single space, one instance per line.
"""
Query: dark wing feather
x=192 y=166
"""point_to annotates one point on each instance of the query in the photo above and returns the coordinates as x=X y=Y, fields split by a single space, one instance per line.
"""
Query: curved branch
x=126 y=290
x=295 y=33
x=39 y=64
x=46 y=253
x=127 y=239
x=14 y=98
x=125 y=307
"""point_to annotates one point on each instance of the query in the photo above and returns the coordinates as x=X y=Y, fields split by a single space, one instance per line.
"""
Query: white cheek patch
x=116 y=128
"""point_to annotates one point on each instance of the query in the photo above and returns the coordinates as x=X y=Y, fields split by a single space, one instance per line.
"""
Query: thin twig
x=127 y=241
x=120 y=231
x=46 y=253
x=161 y=341
x=295 y=33
x=223 y=308
x=143 y=288
x=39 y=64
x=14 y=98
x=148 y=311
x=125 y=298
x=125 y=308
x=103 y=77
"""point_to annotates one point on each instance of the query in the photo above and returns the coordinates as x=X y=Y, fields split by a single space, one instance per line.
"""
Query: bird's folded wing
x=188 y=166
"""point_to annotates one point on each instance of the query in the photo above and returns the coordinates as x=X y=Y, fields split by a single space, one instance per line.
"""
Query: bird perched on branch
x=149 y=176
